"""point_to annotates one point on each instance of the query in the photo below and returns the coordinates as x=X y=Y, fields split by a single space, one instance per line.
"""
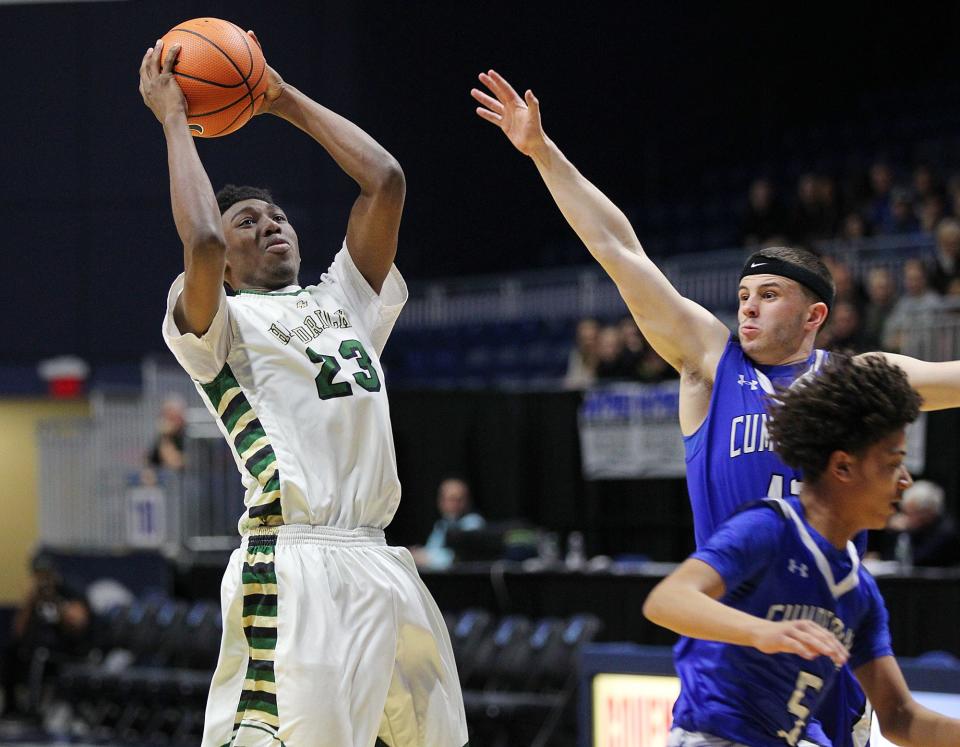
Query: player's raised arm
x=195 y=210
x=937 y=382
x=684 y=333
x=375 y=218
x=902 y=719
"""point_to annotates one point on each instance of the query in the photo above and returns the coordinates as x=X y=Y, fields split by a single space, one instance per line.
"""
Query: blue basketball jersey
x=776 y=566
x=730 y=459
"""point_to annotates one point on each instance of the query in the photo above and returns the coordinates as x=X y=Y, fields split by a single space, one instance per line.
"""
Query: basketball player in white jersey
x=330 y=638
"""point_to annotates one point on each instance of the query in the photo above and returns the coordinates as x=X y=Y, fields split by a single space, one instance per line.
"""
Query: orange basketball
x=222 y=73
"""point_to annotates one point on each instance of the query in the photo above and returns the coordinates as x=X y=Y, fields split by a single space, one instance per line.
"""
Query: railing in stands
x=709 y=278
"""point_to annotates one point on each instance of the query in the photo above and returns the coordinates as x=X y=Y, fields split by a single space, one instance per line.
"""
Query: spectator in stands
x=454 y=503
x=654 y=369
x=954 y=206
x=639 y=361
x=842 y=330
x=167 y=449
x=855 y=229
x=953 y=188
x=946 y=264
x=53 y=619
x=611 y=364
x=881 y=184
x=829 y=205
x=881 y=298
x=930 y=534
x=931 y=212
x=925 y=182
x=812 y=218
x=582 y=363
x=848 y=287
x=634 y=347
x=765 y=218
x=901 y=218
x=915 y=308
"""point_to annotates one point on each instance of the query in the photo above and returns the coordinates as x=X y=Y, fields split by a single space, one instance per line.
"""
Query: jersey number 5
x=327 y=388
x=805 y=681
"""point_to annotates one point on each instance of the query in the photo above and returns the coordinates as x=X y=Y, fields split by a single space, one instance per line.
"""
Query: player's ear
x=817 y=314
x=840 y=466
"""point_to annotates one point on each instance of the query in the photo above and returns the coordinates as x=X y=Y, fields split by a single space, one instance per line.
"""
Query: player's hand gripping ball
x=222 y=73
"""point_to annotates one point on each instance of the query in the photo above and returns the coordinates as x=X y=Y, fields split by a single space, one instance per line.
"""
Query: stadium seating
x=519 y=675
x=146 y=680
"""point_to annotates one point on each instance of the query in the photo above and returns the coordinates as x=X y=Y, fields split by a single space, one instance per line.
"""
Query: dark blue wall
x=643 y=96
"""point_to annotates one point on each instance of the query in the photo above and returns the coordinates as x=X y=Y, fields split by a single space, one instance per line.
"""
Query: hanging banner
x=629 y=431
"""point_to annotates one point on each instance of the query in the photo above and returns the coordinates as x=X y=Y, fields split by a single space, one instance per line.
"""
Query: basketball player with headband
x=330 y=637
x=725 y=379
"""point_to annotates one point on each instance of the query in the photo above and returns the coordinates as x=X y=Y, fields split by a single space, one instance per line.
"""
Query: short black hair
x=231 y=194
x=807 y=260
x=848 y=405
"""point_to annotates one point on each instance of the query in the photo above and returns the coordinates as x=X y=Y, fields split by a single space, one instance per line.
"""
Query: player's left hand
x=275 y=84
x=519 y=118
x=801 y=637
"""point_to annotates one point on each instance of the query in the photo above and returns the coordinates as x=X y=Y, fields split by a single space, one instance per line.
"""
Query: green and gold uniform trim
x=257 y=708
x=250 y=442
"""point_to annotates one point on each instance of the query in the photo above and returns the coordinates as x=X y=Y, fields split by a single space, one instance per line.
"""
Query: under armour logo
x=794 y=567
x=743 y=381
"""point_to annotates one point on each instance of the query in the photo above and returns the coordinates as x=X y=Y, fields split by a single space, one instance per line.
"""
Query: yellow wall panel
x=19 y=497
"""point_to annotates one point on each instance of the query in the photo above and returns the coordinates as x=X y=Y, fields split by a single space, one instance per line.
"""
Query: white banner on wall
x=630 y=431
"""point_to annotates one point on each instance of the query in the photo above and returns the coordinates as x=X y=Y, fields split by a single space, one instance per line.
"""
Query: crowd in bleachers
x=870 y=204
x=612 y=352
x=873 y=311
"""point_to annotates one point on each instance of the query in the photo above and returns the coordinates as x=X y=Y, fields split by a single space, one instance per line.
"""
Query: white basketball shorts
x=330 y=639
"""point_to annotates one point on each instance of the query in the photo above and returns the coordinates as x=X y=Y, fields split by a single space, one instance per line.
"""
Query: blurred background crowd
x=718 y=131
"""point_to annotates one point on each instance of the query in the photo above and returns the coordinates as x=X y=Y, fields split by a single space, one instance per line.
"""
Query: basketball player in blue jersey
x=330 y=638
x=776 y=600
x=725 y=379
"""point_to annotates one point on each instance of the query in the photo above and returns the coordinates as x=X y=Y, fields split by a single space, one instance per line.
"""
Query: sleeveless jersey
x=730 y=459
x=293 y=379
x=777 y=567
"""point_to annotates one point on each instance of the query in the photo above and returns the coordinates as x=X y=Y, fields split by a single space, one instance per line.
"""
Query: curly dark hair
x=231 y=194
x=849 y=405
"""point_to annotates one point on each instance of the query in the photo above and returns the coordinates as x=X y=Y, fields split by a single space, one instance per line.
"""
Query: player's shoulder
x=770 y=510
x=762 y=521
x=868 y=584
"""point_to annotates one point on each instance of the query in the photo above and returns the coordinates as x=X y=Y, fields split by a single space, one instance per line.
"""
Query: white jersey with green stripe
x=294 y=381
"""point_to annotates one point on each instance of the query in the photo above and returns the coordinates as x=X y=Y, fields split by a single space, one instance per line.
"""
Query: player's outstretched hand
x=160 y=90
x=275 y=85
x=801 y=637
x=519 y=118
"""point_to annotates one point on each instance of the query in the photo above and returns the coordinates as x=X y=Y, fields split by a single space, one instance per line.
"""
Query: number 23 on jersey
x=350 y=350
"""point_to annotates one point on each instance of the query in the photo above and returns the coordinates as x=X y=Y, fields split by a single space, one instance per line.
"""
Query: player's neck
x=786 y=358
x=819 y=505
